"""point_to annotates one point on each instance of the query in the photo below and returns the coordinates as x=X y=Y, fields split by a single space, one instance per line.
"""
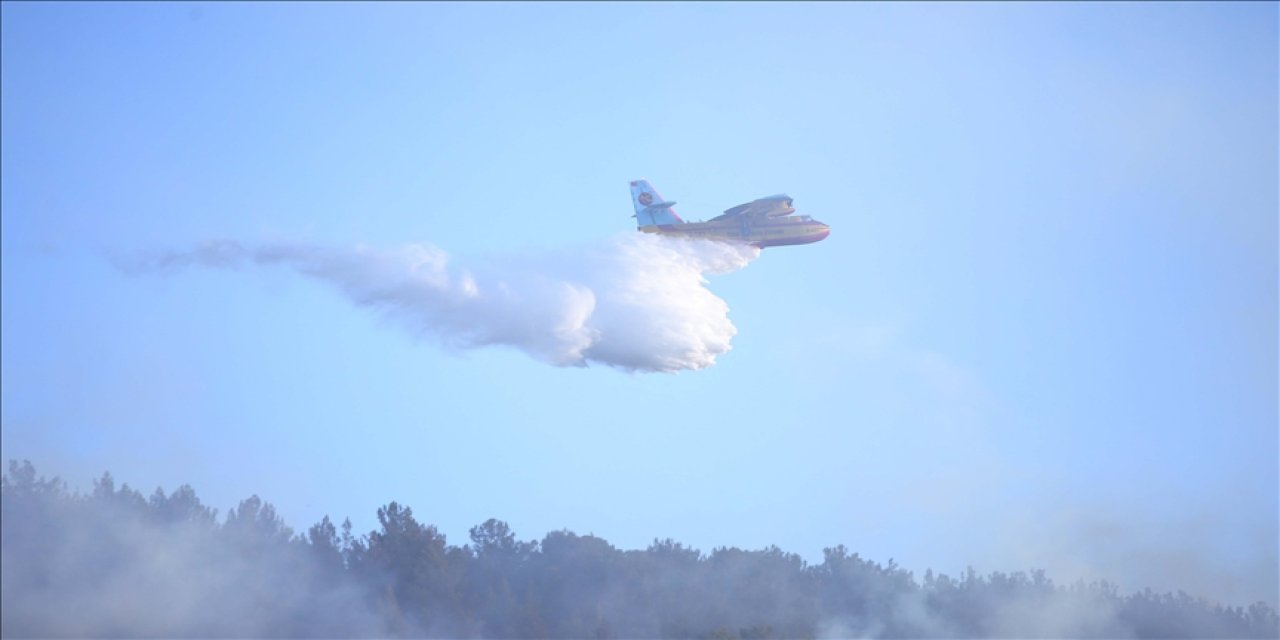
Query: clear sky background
x=1043 y=332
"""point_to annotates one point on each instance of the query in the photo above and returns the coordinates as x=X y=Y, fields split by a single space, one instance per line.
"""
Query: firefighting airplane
x=766 y=222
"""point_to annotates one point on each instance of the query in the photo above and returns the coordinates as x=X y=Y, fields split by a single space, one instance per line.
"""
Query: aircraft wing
x=779 y=205
x=733 y=212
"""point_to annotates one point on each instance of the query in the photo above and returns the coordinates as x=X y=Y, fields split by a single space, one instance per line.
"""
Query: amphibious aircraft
x=766 y=222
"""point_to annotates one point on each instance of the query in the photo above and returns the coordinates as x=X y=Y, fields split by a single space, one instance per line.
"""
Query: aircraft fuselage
x=760 y=232
x=763 y=222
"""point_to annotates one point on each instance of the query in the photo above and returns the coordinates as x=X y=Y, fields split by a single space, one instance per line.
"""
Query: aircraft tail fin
x=651 y=209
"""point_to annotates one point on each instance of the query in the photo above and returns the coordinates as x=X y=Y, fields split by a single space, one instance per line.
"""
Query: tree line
x=116 y=563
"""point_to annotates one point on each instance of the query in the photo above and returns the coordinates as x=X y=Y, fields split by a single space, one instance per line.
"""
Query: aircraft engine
x=782 y=209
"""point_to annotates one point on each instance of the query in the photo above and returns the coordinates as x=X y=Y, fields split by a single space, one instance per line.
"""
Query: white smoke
x=637 y=302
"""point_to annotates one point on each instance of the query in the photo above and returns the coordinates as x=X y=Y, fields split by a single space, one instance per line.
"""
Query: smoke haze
x=113 y=563
x=636 y=302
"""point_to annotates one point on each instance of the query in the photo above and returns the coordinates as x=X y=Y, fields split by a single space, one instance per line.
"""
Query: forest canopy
x=116 y=563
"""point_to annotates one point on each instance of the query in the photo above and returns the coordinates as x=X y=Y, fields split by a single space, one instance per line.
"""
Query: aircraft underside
x=760 y=234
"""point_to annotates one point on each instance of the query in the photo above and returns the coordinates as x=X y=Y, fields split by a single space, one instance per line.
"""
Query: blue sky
x=1043 y=332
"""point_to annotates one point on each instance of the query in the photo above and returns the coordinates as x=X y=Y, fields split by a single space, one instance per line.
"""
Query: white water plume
x=637 y=302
